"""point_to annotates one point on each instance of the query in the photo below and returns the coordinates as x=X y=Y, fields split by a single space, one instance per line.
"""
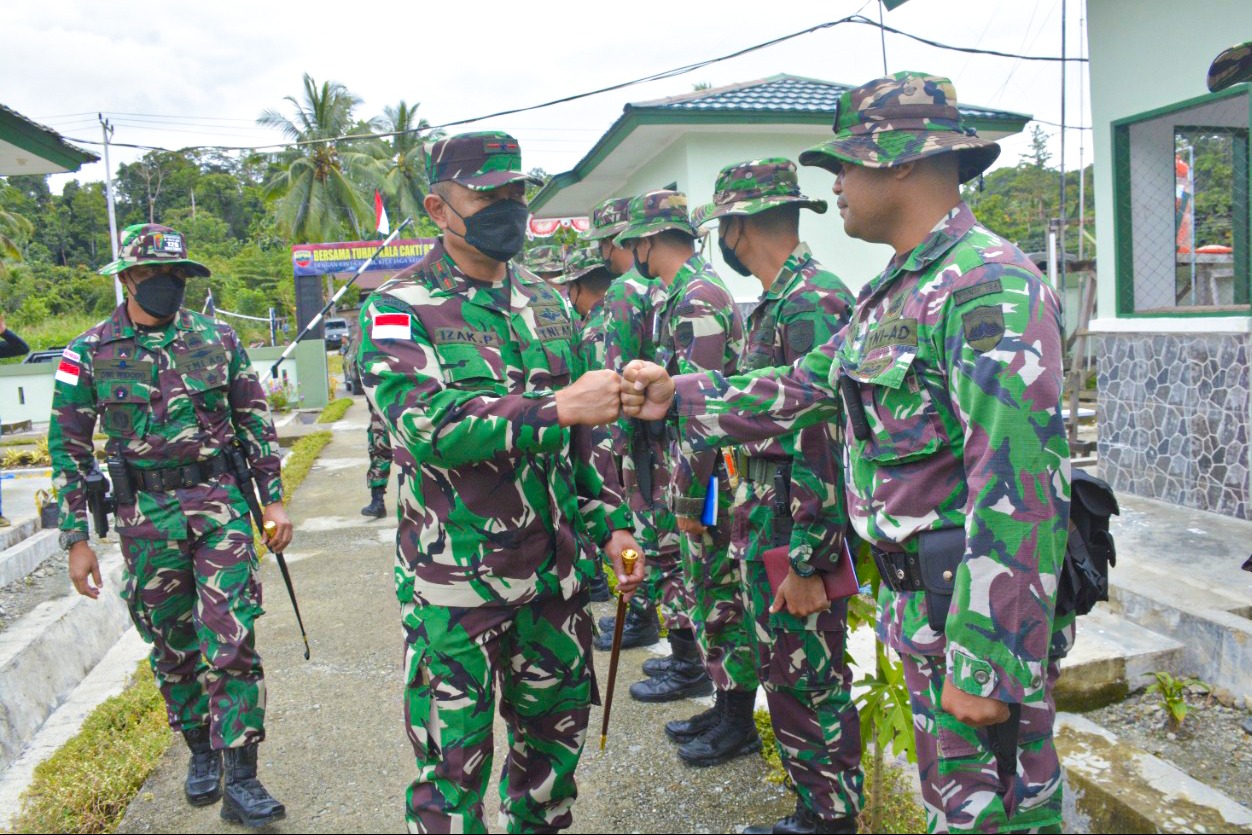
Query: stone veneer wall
x=1173 y=418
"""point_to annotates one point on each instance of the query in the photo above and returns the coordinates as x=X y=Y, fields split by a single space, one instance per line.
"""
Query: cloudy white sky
x=182 y=73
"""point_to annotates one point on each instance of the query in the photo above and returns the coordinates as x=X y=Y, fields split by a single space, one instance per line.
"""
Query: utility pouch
x=940 y=553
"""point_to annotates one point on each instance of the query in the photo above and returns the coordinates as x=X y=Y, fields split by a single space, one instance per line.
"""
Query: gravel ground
x=47 y=582
x=1213 y=745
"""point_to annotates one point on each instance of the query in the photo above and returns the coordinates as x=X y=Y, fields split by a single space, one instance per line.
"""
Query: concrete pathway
x=336 y=752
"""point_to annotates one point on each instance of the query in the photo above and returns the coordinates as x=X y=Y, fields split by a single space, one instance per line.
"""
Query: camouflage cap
x=1233 y=66
x=746 y=188
x=545 y=259
x=655 y=212
x=152 y=243
x=906 y=117
x=483 y=160
x=583 y=261
x=608 y=219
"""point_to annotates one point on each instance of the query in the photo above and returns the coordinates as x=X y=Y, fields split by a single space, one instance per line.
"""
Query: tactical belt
x=899 y=571
x=178 y=476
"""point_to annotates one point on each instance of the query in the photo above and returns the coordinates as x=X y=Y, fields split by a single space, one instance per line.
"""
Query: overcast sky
x=179 y=74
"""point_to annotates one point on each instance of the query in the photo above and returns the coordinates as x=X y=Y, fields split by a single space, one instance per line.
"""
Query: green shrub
x=334 y=410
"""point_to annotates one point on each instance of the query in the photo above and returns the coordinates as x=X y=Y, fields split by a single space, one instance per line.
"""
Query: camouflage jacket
x=805 y=306
x=176 y=395
x=505 y=503
x=629 y=309
x=589 y=340
x=696 y=328
x=956 y=347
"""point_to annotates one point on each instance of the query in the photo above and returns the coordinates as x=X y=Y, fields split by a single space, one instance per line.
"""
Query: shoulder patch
x=685 y=333
x=800 y=336
x=984 y=326
x=977 y=291
x=386 y=324
x=70 y=368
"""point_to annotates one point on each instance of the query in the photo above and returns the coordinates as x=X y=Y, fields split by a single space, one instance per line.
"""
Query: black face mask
x=731 y=259
x=498 y=231
x=161 y=295
x=608 y=263
x=641 y=267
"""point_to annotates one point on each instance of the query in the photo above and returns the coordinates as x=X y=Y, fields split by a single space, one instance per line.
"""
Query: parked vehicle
x=336 y=331
x=47 y=355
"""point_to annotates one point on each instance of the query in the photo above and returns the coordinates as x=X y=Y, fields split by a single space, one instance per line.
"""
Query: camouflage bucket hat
x=545 y=259
x=906 y=117
x=583 y=261
x=152 y=243
x=482 y=161
x=608 y=219
x=655 y=212
x=746 y=188
x=1233 y=66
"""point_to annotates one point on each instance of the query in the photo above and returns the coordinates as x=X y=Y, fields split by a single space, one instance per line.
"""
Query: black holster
x=940 y=553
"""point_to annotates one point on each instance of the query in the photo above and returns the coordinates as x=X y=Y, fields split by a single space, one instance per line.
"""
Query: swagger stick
x=629 y=557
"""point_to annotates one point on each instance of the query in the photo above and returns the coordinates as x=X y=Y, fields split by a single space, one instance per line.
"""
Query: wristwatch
x=68 y=538
x=800 y=565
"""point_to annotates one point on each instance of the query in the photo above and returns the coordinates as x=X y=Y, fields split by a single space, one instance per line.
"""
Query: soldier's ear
x=437 y=209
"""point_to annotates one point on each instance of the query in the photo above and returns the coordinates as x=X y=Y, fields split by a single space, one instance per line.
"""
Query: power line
x=662 y=75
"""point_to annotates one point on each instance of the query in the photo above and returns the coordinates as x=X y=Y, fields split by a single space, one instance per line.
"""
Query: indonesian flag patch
x=391 y=326
x=69 y=368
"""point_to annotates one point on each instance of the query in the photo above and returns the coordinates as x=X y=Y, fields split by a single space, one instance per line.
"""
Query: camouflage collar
x=954 y=226
x=795 y=262
x=119 y=326
x=682 y=278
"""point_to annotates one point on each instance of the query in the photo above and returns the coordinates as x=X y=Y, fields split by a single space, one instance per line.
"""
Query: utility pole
x=1060 y=286
x=108 y=190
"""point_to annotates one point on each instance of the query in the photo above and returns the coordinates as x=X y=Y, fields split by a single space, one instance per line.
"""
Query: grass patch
x=900 y=812
x=334 y=363
x=334 y=410
x=87 y=784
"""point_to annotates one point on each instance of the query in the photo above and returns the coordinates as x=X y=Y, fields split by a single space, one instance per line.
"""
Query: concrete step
x=1111 y=658
x=19 y=530
x=1119 y=787
x=24 y=557
x=48 y=652
x=1213 y=626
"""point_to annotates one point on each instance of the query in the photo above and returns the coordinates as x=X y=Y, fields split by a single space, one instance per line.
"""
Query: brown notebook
x=840 y=583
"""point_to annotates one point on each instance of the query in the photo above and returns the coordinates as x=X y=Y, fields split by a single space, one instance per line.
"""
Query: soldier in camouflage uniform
x=468 y=360
x=628 y=306
x=697 y=328
x=378 y=443
x=951 y=366
x=799 y=632
x=173 y=389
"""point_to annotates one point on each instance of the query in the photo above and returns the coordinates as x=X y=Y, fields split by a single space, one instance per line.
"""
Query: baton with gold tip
x=629 y=558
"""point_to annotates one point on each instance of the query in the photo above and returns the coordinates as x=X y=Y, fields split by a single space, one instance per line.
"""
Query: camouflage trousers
x=379 y=444
x=717 y=610
x=196 y=601
x=808 y=687
x=961 y=787
x=663 y=585
x=539 y=654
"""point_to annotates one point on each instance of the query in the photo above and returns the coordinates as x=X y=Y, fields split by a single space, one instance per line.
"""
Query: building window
x=1181 y=206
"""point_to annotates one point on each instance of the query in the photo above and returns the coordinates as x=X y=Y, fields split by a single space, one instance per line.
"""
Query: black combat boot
x=685 y=730
x=656 y=666
x=642 y=629
x=204 y=772
x=804 y=822
x=686 y=677
x=245 y=800
x=377 y=507
x=734 y=734
x=600 y=586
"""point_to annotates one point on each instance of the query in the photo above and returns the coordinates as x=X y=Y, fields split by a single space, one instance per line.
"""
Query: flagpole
x=316 y=320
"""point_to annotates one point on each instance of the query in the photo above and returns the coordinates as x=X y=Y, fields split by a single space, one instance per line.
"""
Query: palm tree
x=404 y=168
x=319 y=196
x=11 y=227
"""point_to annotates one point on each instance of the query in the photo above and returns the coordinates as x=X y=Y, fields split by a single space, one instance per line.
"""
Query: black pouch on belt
x=940 y=552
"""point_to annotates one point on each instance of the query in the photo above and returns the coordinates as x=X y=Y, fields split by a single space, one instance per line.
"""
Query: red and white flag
x=390 y=326
x=69 y=368
x=380 y=215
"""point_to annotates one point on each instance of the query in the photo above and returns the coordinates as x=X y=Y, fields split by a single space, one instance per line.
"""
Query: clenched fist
x=593 y=400
x=648 y=391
